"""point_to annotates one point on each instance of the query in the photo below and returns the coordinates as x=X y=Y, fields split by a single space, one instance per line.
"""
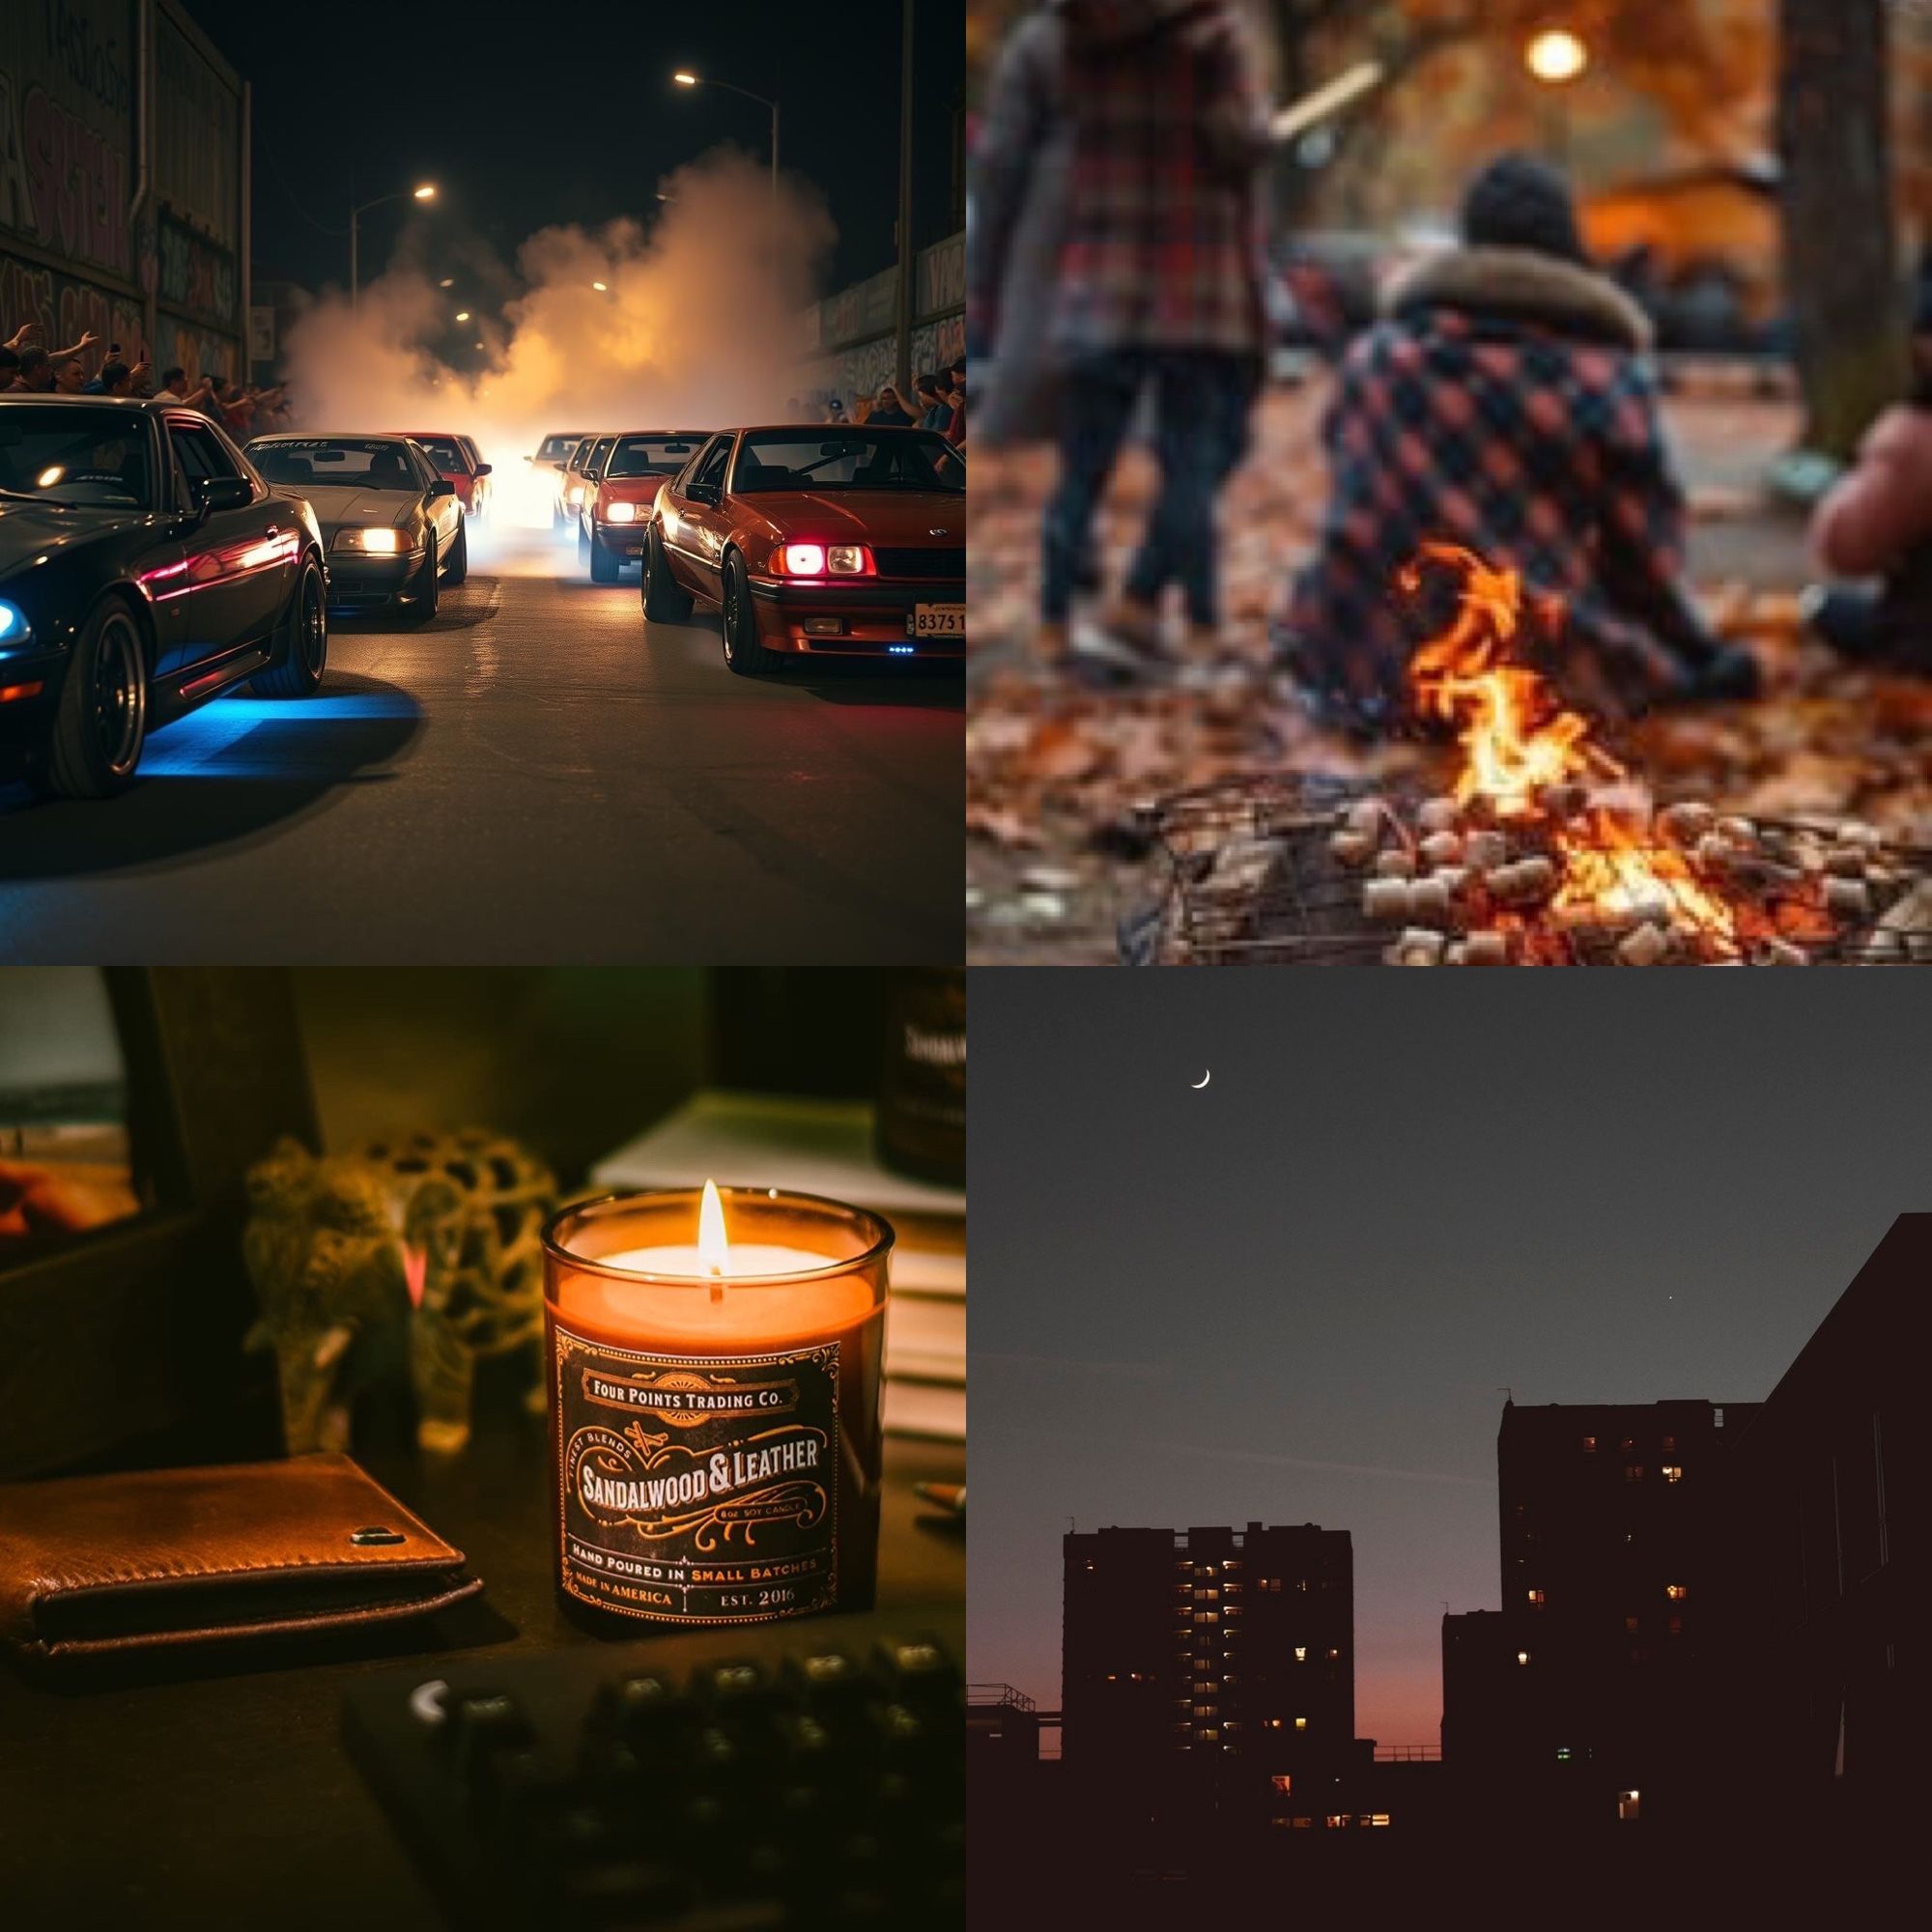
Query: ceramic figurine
x=425 y=1251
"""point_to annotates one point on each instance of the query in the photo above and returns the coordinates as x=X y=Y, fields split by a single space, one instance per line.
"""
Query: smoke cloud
x=696 y=325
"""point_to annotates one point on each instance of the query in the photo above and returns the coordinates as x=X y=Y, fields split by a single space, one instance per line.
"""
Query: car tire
x=302 y=636
x=457 y=571
x=664 y=602
x=423 y=606
x=102 y=721
x=605 y=563
x=743 y=652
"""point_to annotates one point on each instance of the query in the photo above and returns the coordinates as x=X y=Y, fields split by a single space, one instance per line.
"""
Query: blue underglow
x=903 y=650
x=258 y=738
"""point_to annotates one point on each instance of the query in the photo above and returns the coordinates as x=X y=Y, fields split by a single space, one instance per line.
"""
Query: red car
x=819 y=540
x=616 y=507
x=454 y=457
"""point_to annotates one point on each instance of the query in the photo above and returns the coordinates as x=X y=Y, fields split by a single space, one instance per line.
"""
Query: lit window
x=1205 y=1711
x=1205 y=1596
x=1716 y=1418
x=1301 y=1653
x=1304 y=1824
x=1628 y=1444
x=1210 y=1737
x=1676 y=1592
x=1669 y=1443
x=1282 y=1781
x=1626 y=1806
x=1632 y=1472
x=1271 y=1723
x=1522 y=1657
x=1673 y=1472
x=1536 y=1600
x=1379 y=1818
x=1334 y=1656
x=1337 y=1820
x=1589 y=1445
x=1301 y=1723
x=1090 y=1565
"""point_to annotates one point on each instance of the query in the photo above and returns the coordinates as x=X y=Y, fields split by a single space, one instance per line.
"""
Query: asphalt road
x=527 y=778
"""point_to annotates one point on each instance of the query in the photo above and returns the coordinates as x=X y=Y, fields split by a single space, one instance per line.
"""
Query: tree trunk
x=1841 y=274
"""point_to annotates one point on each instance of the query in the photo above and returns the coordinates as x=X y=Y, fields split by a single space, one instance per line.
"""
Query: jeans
x=1202 y=399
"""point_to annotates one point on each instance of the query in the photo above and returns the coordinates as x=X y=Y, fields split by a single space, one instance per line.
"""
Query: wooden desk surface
x=227 y=1800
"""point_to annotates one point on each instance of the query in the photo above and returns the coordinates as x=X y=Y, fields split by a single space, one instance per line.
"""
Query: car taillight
x=810 y=559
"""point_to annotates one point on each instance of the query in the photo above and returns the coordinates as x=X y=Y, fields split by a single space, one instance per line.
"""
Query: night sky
x=525 y=115
x=1298 y=1294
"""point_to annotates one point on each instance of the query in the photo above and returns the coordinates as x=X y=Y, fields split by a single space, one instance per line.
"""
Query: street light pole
x=426 y=193
x=906 y=258
x=687 y=80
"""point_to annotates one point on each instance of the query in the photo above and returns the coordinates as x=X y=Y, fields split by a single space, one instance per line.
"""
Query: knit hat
x=1519 y=202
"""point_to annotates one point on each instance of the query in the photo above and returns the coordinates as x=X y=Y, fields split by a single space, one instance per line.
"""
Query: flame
x=1517 y=736
x=713 y=1250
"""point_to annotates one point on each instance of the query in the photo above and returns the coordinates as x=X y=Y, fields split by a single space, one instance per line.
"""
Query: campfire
x=1542 y=848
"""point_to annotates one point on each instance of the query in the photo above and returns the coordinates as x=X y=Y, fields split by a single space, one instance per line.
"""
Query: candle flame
x=713 y=1250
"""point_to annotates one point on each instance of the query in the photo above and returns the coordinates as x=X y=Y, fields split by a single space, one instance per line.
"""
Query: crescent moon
x=1204 y=1080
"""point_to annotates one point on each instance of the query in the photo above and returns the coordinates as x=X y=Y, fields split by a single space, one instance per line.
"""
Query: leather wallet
x=92 y=1565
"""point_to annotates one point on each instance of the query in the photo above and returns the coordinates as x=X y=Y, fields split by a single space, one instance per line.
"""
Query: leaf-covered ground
x=1054 y=775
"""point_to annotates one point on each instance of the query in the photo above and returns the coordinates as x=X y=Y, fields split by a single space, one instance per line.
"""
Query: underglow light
x=903 y=650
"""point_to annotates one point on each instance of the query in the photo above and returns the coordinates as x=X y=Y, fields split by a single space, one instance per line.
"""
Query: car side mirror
x=442 y=487
x=702 y=493
x=222 y=492
x=484 y=469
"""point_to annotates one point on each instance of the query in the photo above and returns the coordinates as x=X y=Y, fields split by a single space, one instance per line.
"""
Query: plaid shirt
x=1530 y=434
x=1159 y=240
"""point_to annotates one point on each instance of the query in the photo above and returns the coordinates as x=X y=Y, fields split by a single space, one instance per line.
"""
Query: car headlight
x=13 y=626
x=621 y=513
x=574 y=494
x=810 y=559
x=378 y=542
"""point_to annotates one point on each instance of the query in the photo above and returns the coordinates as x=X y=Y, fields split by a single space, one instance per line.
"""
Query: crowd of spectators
x=28 y=366
x=938 y=402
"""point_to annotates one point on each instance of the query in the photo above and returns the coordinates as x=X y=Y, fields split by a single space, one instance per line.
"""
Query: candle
x=714 y=1406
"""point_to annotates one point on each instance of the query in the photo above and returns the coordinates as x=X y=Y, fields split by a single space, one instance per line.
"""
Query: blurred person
x=835 y=409
x=37 y=371
x=1155 y=273
x=1876 y=522
x=1506 y=402
x=173 y=385
x=112 y=379
x=70 y=377
x=955 y=412
x=935 y=411
x=889 y=410
x=10 y=366
x=39 y=1198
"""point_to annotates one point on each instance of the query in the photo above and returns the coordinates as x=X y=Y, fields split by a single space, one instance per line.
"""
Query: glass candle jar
x=713 y=1362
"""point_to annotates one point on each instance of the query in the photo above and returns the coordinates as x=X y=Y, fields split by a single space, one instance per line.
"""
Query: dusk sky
x=1298 y=1294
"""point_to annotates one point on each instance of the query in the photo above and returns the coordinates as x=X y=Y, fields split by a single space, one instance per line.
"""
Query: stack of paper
x=825 y=1147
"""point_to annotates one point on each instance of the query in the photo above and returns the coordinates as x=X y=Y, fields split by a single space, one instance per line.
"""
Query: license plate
x=937 y=621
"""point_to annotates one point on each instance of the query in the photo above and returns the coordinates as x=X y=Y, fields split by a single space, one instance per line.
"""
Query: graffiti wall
x=854 y=332
x=65 y=309
x=197 y=142
x=67 y=116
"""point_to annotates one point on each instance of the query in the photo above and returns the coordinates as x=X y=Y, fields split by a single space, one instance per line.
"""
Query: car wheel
x=605 y=563
x=425 y=595
x=664 y=602
x=458 y=571
x=303 y=655
x=102 y=719
x=743 y=651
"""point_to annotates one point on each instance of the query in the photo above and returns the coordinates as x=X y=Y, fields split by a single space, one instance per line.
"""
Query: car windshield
x=650 y=455
x=554 y=448
x=58 y=453
x=354 y=462
x=843 y=460
x=444 y=452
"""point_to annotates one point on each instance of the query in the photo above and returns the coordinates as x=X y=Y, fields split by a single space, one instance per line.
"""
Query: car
x=573 y=478
x=392 y=529
x=815 y=540
x=614 y=513
x=455 y=457
x=146 y=567
x=551 y=455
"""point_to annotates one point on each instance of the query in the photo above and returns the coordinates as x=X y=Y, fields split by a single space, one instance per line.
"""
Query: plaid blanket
x=1159 y=241
x=1505 y=403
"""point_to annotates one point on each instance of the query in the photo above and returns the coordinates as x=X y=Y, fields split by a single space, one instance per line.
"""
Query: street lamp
x=684 y=80
x=1556 y=57
x=426 y=193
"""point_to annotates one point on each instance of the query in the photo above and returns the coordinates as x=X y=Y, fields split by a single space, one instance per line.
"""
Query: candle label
x=697 y=1489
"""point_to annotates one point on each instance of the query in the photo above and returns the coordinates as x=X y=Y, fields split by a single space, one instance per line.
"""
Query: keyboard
x=798 y=1775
